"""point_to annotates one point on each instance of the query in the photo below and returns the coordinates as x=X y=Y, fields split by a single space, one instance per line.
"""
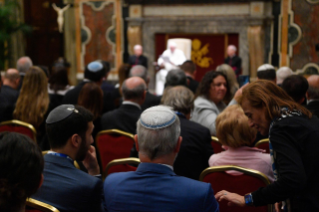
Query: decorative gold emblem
x=198 y=54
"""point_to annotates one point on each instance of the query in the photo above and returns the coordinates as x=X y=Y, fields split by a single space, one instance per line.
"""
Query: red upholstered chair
x=19 y=127
x=250 y=181
x=216 y=145
x=33 y=205
x=113 y=144
x=121 y=165
x=263 y=144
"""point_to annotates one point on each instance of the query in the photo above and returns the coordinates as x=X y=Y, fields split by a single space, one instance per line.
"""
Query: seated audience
x=296 y=87
x=65 y=187
x=58 y=85
x=209 y=101
x=282 y=74
x=33 y=102
x=233 y=132
x=294 y=146
x=94 y=72
x=91 y=98
x=10 y=84
x=21 y=165
x=266 y=72
x=196 y=147
x=313 y=95
x=125 y=117
x=231 y=79
x=154 y=186
x=189 y=69
x=23 y=65
x=150 y=99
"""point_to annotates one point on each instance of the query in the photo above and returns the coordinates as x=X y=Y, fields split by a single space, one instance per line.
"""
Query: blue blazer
x=68 y=188
x=155 y=187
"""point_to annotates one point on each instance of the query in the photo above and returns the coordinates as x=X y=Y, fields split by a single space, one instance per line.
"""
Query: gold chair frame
x=121 y=161
x=215 y=139
x=75 y=163
x=21 y=123
x=250 y=172
x=265 y=140
x=40 y=205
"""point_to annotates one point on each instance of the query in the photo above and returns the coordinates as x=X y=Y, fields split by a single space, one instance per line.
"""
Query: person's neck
x=136 y=101
x=166 y=159
x=189 y=75
x=9 y=84
x=65 y=151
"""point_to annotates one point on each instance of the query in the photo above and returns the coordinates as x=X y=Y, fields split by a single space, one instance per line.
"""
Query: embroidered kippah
x=95 y=66
x=60 y=113
x=157 y=117
x=265 y=67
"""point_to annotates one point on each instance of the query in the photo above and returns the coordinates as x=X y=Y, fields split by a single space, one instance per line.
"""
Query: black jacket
x=313 y=106
x=192 y=84
x=10 y=94
x=235 y=62
x=195 y=149
x=142 y=60
x=150 y=101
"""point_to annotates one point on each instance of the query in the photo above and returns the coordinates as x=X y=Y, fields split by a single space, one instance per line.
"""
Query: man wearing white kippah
x=154 y=186
x=266 y=72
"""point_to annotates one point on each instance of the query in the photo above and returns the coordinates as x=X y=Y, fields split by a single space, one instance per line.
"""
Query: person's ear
x=136 y=142
x=76 y=140
x=178 y=145
x=41 y=181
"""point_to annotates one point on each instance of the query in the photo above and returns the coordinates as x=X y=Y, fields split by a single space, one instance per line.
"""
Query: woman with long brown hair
x=33 y=101
x=294 y=147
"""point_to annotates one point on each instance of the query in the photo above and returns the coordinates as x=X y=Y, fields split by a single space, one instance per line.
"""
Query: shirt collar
x=131 y=103
x=312 y=100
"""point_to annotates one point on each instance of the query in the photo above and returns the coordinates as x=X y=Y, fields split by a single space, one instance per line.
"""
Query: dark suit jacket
x=235 y=64
x=6 y=110
x=142 y=60
x=155 y=187
x=68 y=188
x=150 y=101
x=71 y=97
x=192 y=85
x=314 y=107
x=124 y=118
x=10 y=94
x=195 y=149
x=107 y=87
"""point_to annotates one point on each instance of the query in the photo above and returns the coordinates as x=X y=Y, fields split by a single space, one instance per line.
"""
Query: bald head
x=12 y=78
x=23 y=64
x=134 y=89
x=313 y=90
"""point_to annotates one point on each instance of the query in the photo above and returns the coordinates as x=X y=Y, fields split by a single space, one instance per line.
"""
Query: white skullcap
x=265 y=67
x=95 y=66
x=158 y=117
x=172 y=44
x=283 y=73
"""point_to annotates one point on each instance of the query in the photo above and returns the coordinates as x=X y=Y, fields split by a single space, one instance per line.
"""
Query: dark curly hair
x=204 y=86
x=21 y=165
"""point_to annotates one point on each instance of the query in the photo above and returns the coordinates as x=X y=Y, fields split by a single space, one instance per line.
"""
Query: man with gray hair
x=150 y=99
x=138 y=58
x=154 y=186
x=313 y=94
x=175 y=77
x=282 y=74
x=125 y=117
x=23 y=64
x=233 y=60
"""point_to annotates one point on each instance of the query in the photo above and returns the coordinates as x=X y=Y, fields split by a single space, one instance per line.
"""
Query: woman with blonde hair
x=33 y=101
x=293 y=143
x=233 y=132
x=231 y=79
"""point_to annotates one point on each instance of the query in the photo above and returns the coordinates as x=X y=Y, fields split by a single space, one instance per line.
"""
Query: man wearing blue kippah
x=154 y=186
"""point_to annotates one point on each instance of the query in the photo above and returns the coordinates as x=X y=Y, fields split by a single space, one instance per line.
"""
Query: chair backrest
x=33 y=205
x=113 y=144
x=248 y=182
x=263 y=144
x=183 y=44
x=121 y=165
x=75 y=163
x=19 y=127
x=216 y=145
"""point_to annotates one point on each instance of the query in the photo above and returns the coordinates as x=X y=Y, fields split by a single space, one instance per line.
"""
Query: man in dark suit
x=138 y=58
x=94 y=72
x=11 y=82
x=125 y=117
x=65 y=187
x=150 y=99
x=313 y=95
x=154 y=186
x=233 y=60
x=23 y=64
x=196 y=147
x=105 y=86
x=189 y=68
